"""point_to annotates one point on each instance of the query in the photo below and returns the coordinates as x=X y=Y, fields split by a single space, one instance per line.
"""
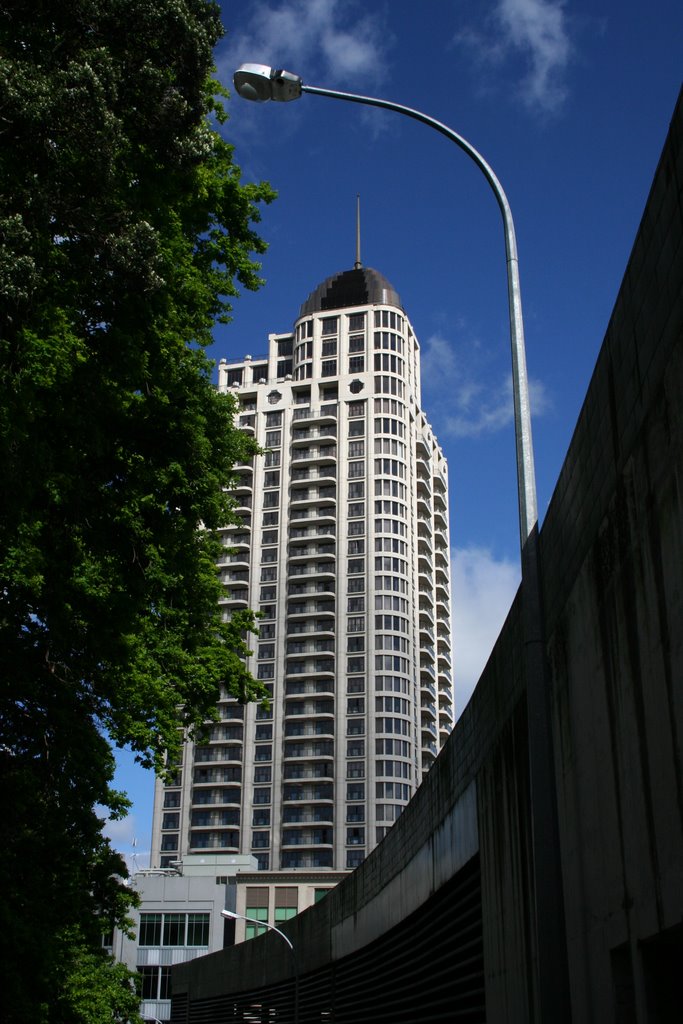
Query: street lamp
x=231 y=915
x=261 y=83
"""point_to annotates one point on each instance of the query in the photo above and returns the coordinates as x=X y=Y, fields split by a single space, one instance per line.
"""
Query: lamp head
x=229 y=914
x=258 y=82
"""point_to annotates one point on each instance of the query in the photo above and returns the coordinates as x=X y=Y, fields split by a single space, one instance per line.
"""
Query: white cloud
x=537 y=31
x=483 y=591
x=311 y=37
x=465 y=398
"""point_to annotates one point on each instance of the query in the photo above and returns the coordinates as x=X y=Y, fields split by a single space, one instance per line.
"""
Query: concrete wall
x=612 y=564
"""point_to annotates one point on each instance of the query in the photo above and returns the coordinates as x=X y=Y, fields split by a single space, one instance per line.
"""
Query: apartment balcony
x=306 y=628
x=422 y=449
x=322 y=550
x=441 y=577
x=314 y=454
x=234 y=602
x=214 y=819
x=423 y=486
x=305 y=750
x=323 y=515
x=291 y=859
x=440 y=520
x=326 y=413
x=299 y=647
x=440 y=483
x=308 y=708
x=304 y=792
x=426 y=634
x=424 y=562
x=304 y=435
x=428 y=707
x=308 y=608
x=424 y=510
x=440 y=501
x=312 y=496
x=424 y=529
x=212 y=840
x=316 y=770
x=426 y=613
x=210 y=776
x=219 y=753
x=319 y=586
x=428 y=691
x=306 y=728
x=304 y=534
x=308 y=815
x=306 y=687
x=223 y=797
x=307 y=837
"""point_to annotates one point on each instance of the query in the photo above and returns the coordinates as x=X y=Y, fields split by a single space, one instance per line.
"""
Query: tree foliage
x=125 y=232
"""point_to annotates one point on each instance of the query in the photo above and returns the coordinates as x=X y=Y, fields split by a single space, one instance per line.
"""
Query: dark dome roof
x=360 y=287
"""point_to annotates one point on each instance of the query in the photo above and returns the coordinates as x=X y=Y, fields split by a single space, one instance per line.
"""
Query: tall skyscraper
x=343 y=546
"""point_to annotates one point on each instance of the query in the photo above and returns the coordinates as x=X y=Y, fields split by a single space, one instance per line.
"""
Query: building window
x=273 y=438
x=356 y=450
x=356 y=321
x=356 y=364
x=286 y=903
x=155 y=982
x=355 y=387
x=197 y=930
x=150 y=930
x=257 y=908
x=329 y=348
x=354 y=858
x=174 y=930
x=329 y=325
x=357 y=343
x=328 y=368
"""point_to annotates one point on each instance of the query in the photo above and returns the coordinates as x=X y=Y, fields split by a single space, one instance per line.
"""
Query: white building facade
x=343 y=547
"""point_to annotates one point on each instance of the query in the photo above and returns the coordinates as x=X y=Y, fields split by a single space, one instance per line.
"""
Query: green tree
x=125 y=232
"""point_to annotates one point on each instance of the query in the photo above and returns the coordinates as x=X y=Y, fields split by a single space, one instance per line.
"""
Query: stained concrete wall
x=612 y=565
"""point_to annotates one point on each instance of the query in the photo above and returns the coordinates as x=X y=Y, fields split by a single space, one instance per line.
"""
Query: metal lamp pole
x=260 y=82
x=232 y=916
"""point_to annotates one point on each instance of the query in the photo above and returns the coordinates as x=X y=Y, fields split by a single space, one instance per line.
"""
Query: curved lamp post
x=230 y=915
x=261 y=83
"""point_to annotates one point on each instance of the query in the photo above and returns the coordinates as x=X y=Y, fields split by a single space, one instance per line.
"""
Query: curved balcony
x=214 y=819
x=307 y=837
x=307 y=727
x=305 y=750
x=302 y=628
x=326 y=413
x=422 y=449
x=308 y=708
x=299 y=792
x=215 y=840
x=304 y=435
x=294 y=771
x=296 y=688
x=308 y=814
x=324 y=550
x=297 y=609
x=222 y=797
x=303 y=496
x=423 y=486
x=424 y=510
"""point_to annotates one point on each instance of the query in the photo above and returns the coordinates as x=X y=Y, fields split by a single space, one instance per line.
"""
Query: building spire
x=357 y=265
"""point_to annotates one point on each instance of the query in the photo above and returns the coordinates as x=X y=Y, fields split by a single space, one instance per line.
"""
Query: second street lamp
x=261 y=83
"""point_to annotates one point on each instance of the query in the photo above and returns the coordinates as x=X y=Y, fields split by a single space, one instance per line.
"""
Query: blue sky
x=570 y=103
